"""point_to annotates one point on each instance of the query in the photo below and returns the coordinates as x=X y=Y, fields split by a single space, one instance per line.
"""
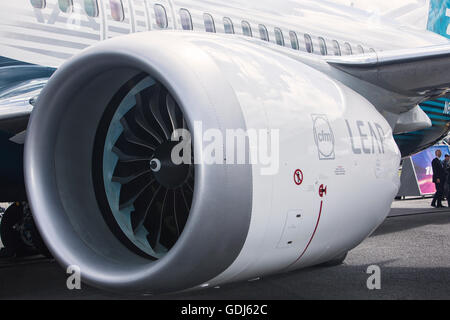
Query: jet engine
x=109 y=198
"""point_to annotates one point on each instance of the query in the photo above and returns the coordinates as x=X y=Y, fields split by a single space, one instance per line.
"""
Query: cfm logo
x=323 y=137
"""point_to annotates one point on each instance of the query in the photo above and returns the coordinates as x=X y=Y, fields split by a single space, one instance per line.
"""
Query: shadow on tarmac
x=47 y=280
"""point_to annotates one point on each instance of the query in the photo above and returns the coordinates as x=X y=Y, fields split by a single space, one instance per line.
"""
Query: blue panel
x=6 y=62
x=439 y=17
x=414 y=142
x=13 y=72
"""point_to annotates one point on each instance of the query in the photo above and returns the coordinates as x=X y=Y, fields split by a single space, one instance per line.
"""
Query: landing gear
x=9 y=233
x=19 y=233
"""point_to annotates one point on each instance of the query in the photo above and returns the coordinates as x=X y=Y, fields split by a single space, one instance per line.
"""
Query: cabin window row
x=118 y=14
x=90 y=7
x=336 y=48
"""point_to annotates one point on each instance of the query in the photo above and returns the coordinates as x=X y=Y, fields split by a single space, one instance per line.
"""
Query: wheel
x=19 y=233
x=30 y=234
x=38 y=243
x=336 y=261
x=9 y=230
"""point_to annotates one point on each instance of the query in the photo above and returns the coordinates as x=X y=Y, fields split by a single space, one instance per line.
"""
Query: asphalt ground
x=411 y=248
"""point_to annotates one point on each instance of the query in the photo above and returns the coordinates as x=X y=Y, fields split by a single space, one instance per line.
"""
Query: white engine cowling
x=330 y=185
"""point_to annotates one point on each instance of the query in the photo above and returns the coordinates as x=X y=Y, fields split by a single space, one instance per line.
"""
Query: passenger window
x=279 y=38
x=161 y=16
x=372 y=50
x=263 y=34
x=38 y=4
x=247 y=29
x=294 y=40
x=65 y=6
x=348 y=48
x=336 y=48
x=228 y=26
x=308 y=43
x=360 y=49
x=209 y=23
x=186 y=19
x=117 y=12
x=323 y=46
x=91 y=8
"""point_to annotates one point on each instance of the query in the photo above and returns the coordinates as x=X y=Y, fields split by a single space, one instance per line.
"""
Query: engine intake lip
x=58 y=160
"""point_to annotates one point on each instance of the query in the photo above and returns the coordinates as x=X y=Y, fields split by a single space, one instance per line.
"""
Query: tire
x=11 y=238
x=38 y=242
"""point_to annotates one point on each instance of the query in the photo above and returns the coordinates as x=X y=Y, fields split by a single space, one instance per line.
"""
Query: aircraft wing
x=422 y=72
x=20 y=85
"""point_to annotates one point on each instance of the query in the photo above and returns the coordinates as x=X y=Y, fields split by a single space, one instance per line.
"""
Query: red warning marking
x=322 y=191
x=312 y=236
x=298 y=177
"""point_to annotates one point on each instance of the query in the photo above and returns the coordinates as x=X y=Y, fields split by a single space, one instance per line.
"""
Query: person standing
x=446 y=165
x=438 y=180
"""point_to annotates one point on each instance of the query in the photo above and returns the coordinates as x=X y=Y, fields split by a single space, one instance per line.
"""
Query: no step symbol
x=298 y=177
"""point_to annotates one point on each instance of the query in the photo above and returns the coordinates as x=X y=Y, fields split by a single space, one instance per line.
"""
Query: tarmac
x=412 y=249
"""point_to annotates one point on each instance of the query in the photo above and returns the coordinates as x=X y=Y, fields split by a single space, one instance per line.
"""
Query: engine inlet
x=148 y=196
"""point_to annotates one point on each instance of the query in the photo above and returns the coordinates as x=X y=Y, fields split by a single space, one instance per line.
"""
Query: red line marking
x=312 y=237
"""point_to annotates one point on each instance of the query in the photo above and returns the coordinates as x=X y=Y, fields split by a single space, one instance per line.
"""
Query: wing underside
x=422 y=72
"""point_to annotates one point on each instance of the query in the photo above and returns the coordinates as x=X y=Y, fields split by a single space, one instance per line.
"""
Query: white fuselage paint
x=49 y=37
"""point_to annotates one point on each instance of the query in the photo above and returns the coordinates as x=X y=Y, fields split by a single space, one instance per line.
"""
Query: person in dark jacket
x=446 y=165
x=438 y=179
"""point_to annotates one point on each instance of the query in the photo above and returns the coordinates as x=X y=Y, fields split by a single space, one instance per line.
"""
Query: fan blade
x=123 y=157
x=169 y=229
x=155 y=108
x=132 y=190
x=155 y=221
x=171 y=110
x=142 y=102
x=185 y=200
x=132 y=149
x=126 y=169
x=139 y=216
x=129 y=178
x=181 y=209
x=132 y=138
x=162 y=214
x=191 y=189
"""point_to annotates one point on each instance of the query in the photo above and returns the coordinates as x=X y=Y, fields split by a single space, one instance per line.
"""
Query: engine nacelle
x=108 y=198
